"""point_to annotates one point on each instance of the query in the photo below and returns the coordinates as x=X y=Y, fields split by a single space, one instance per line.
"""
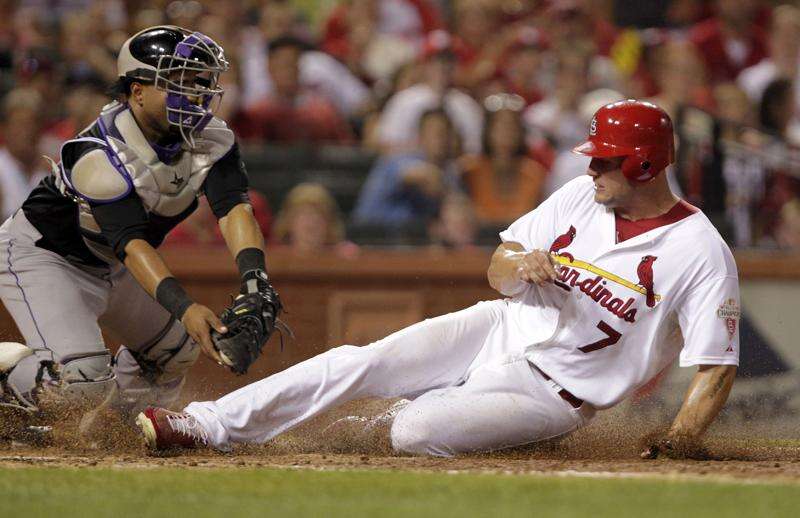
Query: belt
x=565 y=394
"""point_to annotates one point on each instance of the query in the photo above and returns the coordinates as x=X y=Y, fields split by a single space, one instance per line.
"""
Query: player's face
x=154 y=104
x=154 y=108
x=611 y=188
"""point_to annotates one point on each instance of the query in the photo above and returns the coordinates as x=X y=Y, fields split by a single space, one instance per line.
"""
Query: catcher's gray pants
x=59 y=308
x=474 y=389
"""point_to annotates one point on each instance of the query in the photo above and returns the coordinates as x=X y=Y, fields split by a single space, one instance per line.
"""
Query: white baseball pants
x=472 y=389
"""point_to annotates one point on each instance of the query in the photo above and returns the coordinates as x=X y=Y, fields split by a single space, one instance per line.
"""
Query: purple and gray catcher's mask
x=190 y=78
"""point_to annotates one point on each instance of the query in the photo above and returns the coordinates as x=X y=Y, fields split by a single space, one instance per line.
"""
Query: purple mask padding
x=187 y=114
x=184 y=49
x=167 y=152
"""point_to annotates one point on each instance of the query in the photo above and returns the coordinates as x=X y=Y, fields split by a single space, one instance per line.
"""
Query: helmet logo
x=593 y=127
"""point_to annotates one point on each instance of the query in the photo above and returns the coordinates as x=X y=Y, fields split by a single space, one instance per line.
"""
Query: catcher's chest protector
x=125 y=161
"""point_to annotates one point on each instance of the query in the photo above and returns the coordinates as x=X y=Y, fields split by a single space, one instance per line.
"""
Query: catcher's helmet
x=637 y=130
x=185 y=64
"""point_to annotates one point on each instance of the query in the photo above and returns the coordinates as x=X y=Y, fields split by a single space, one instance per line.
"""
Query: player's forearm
x=502 y=273
x=146 y=265
x=705 y=398
x=241 y=230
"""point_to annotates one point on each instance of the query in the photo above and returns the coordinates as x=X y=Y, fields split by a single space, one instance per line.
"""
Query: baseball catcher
x=608 y=282
x=81 y=251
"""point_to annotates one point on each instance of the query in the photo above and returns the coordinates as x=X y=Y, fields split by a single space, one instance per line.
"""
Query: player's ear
x=137 y=94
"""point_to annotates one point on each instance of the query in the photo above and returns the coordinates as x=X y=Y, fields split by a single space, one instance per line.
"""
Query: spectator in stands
x=83 y=100
x=481 y=42
x=309 y=222
x=457 y=225
x=681 y=77
x=82 y=56
x=556 y=118
x=292 y=113
x=576 y=25
x=777 y=108
x=201 y=227
x=743 y=164
x=373 y=37
x=21 y=162
x=522 y=65
x=784 y=53
x=503 y=182
x=775 y=113
x=730 y=41
x=407 y=188
x=787 y=234
x=400 y=119
x=319 y=72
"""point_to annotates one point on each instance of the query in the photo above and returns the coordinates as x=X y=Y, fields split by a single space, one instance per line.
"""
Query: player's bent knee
x=88 y=377
x=416 y=435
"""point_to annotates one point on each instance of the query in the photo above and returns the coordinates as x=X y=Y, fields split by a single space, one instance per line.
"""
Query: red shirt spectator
x=409 y=19
x=292 y=113
x=730 y=41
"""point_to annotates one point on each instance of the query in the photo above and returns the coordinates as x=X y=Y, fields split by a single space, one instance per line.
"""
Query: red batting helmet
x=637 y=130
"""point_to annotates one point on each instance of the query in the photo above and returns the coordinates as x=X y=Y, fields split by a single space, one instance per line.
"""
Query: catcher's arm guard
x=251 y=319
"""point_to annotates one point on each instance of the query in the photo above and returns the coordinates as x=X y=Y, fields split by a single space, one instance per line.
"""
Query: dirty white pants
x=471 y=386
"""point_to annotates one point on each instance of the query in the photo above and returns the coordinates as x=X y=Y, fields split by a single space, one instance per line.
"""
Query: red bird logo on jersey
x=563 y=241
x=645 y=273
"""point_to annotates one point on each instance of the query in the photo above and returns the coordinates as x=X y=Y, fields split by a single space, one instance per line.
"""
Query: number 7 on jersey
x=612 y=337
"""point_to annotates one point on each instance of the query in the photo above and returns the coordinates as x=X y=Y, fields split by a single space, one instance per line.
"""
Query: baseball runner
x=609 y=280
x=81 y=252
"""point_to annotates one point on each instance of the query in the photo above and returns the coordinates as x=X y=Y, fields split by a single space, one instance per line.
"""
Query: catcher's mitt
x=251 y=320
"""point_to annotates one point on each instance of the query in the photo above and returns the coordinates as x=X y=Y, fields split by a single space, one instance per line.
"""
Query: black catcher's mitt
x=251 y=320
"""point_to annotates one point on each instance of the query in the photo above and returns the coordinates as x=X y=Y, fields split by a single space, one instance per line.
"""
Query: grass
x=65 y=492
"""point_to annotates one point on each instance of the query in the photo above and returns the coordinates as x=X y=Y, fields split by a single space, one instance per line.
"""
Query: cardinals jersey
x=619 y=313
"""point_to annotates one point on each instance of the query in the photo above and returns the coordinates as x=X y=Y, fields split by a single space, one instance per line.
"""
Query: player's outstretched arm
x=149 y=269
x=241 y=230
x=705 y=398
x=512 y=267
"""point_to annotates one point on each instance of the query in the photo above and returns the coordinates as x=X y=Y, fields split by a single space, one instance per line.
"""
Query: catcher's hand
x=250 y=321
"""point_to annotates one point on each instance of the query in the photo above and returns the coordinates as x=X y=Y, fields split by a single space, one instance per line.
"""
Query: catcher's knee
x=88 y=377
x=168 y=357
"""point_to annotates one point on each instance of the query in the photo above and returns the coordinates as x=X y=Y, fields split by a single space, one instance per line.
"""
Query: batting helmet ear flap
x=638 y=168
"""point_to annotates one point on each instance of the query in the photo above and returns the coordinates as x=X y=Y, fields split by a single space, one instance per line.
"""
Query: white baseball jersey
x=619 y=313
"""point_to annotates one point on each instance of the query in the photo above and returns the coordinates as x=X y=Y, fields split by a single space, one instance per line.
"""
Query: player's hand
x=198 y=321
x=674 y=447
x=537 y=267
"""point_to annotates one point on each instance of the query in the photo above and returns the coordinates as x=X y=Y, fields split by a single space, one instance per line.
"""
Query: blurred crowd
x=470 y=107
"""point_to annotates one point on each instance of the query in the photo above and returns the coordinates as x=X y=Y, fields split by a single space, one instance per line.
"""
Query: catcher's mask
x=186 y=65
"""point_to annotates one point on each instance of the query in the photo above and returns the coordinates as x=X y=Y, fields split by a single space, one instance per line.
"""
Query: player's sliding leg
x=502 y=404
x=432 y=354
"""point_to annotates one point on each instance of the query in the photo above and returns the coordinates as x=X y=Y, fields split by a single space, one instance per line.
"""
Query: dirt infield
x=608 y=447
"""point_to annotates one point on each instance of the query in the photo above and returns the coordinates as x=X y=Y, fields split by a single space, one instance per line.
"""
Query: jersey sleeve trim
x=708 y=360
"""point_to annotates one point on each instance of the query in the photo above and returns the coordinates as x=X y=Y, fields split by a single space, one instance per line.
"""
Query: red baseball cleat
x=163 y=429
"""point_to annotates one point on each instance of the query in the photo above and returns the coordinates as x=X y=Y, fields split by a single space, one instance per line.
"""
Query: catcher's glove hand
x=251 y=320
